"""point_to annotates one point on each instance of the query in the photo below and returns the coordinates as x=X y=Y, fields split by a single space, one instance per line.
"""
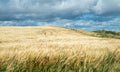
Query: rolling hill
x=40 y=48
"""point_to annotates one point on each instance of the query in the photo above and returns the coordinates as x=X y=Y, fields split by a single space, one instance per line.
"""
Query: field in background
x=56 y=49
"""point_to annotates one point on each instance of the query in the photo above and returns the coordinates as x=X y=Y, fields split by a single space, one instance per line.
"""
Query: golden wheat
x=48 y=43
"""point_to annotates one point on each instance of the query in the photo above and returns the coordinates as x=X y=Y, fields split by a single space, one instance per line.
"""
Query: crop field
x=56 y=49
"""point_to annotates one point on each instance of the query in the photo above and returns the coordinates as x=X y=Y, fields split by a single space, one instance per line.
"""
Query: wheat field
x=56 y=49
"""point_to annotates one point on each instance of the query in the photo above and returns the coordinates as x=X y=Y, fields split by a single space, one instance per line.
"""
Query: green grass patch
x=107 y=34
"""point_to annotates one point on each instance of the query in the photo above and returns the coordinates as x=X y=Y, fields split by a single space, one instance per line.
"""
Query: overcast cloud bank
x=78 y=14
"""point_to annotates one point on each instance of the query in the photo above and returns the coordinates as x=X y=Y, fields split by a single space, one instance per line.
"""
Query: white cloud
x=60 y=13
x=60 y=7
x=107 y=6
x=90 y=25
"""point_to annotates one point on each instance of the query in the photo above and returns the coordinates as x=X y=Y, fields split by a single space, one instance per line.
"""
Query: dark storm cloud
x=44 y=9
x=68 y=13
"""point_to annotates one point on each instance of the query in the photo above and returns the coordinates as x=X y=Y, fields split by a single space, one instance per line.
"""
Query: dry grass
x=31 y=47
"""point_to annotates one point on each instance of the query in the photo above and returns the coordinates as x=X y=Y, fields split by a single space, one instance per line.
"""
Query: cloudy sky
x=79 y=14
